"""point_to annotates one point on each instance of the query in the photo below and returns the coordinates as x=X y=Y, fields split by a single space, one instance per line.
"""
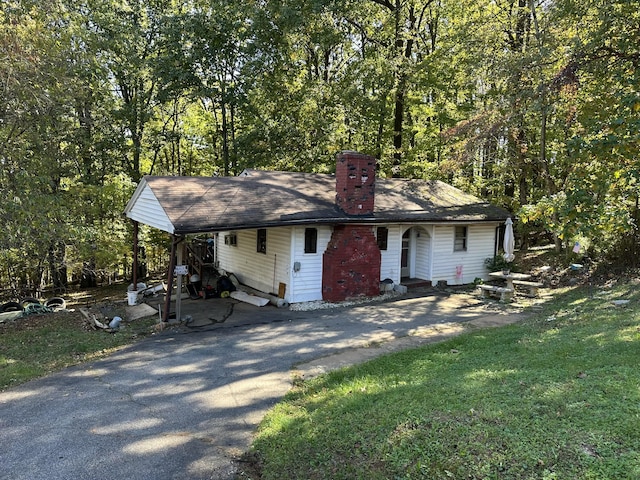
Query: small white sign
x=181 y=270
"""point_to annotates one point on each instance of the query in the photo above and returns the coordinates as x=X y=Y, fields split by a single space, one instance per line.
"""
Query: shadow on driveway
x=184 y=403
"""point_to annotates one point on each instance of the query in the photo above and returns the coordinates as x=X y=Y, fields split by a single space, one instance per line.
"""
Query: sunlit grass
x=555 y=397
x=31 y=348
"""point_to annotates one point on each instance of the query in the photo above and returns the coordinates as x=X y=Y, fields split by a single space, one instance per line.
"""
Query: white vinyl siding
x=390 y=258
x=262 y=271
x=480 y=246
x=423 y=253
x=433 y=257
x=147 y=210
x=306 y=283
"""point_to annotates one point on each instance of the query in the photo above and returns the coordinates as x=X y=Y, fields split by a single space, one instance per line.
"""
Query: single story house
x=321 y=236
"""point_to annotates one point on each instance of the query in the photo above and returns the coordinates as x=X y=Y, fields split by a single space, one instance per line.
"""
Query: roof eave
x=192 y=230
x=136 y=194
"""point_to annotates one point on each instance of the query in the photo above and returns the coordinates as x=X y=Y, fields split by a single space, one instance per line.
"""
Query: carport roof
x=260 y=199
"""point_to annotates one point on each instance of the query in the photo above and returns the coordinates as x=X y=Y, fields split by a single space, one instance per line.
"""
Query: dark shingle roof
x=269 y=198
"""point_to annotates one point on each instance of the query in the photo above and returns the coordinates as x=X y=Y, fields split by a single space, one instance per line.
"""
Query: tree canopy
x=531 y=104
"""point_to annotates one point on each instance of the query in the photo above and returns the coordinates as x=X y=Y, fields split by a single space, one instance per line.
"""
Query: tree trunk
x=225 y=129
x=57 y=267
x=398 y=120
x=234 y=147
x=89 y=279
x=405 y=50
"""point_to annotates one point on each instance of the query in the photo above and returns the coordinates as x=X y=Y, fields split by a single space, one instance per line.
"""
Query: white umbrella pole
x=509 y=241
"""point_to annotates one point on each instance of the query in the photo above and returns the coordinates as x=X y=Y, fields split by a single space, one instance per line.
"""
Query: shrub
x=498 y=263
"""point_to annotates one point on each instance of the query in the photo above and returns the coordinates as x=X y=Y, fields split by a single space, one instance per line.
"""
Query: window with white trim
x=310 y=240
x=460 y=239
x=261 y=244
x=231 y=239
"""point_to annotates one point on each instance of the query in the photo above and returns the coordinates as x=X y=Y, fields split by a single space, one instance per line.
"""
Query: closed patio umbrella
x=509 y=242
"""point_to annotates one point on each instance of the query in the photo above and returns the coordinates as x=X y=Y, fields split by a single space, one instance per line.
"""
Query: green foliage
x=532 y=106
x=498 y=263
x=549 y=398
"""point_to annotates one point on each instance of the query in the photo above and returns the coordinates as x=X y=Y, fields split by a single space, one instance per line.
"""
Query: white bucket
x=132 y=297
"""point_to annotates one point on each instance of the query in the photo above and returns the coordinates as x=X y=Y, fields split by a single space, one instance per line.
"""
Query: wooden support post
x=172 y=266
x=135 y=255
x=179 y=260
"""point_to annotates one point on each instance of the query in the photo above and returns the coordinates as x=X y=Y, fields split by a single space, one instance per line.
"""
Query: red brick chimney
x=355 y=183
x=351 y=262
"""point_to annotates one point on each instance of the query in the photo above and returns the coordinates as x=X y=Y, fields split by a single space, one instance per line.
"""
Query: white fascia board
x=145 y=208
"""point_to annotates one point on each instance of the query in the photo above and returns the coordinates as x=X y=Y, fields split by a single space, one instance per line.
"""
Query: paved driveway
x=184 y=404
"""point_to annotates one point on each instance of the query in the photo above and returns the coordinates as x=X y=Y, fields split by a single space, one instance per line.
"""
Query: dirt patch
x=559 y=270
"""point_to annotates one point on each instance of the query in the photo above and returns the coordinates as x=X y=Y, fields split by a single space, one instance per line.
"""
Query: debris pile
x=13 y=310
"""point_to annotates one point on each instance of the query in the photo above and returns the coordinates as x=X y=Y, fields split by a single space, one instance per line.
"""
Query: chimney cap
x=353 y=152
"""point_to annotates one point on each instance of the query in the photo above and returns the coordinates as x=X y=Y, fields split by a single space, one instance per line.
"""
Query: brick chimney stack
x=355 y=183
x=351 y=263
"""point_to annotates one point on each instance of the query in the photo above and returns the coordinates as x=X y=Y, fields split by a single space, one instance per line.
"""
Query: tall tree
x=128 y=35
x=34 y=125
x=598 y=201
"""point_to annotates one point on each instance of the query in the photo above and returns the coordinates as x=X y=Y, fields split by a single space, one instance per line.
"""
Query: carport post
x=179 y=285
x=172 y=266
x=135 y=255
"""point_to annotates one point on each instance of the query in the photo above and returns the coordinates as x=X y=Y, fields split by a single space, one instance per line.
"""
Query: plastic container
x=132 y=297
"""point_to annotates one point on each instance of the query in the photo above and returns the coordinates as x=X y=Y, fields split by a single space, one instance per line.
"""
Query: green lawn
x=555 y=397
x=34 y=346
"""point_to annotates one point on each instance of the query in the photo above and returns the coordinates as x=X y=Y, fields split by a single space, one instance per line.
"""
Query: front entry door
x=404 y=257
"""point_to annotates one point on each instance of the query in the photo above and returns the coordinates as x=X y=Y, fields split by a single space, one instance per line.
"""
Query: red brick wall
x=351 y=264
x=355 y=183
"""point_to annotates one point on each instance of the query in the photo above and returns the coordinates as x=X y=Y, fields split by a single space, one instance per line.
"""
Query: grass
x=35 y=346
x=555 y=397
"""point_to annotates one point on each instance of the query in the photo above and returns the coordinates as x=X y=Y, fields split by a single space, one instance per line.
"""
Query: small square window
x=460 y=239
x=382 y=236
x=310 y=240
x=261 y=244
x=231 y=239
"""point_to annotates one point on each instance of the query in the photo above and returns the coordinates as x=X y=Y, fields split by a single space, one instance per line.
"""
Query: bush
x=498 y=263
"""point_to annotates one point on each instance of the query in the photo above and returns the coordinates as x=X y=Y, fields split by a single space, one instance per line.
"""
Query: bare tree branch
x=385 y=3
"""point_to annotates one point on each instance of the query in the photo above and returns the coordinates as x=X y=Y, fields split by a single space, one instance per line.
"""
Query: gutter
x=330 y=221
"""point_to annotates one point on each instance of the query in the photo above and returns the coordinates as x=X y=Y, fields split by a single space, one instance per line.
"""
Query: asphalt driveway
x=184 y=403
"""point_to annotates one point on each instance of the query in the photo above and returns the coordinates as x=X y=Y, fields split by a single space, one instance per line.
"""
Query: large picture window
x=310 y=240
x=261 y=244
x=460 y=239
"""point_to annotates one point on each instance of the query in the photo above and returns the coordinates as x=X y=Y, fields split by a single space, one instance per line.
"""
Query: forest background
x=531 y=104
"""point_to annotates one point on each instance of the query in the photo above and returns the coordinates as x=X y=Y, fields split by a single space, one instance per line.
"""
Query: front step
x=413 y=283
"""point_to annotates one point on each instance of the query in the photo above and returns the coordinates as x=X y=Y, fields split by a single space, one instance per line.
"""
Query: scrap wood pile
x=105 y=318
x=112 y=316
